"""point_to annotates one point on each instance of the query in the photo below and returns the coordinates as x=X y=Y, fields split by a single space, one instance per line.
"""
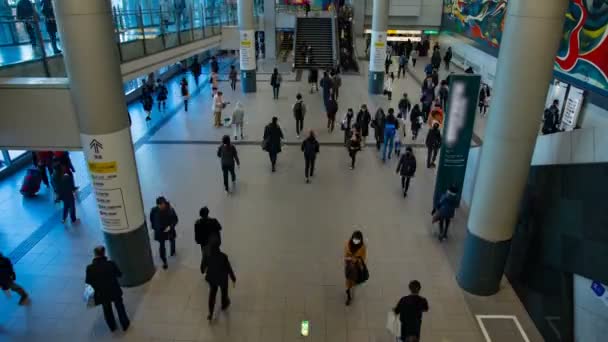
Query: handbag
x=393 y=324
x=363 y=275
x=89 y=296
x=265 y=144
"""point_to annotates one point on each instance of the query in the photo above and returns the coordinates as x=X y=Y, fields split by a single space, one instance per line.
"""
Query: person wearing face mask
x=163 y=220
x=355 y=257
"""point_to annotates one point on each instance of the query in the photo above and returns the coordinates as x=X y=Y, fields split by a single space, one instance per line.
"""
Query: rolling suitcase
x=31 y=182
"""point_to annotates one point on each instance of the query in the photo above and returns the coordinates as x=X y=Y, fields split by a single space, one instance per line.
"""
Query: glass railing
x=138 y=33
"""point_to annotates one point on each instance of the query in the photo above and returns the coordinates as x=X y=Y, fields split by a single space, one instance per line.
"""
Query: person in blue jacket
x=444 y=211
x=391 y=125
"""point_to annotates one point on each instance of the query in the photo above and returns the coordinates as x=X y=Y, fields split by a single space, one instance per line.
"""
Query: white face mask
x=356 y=241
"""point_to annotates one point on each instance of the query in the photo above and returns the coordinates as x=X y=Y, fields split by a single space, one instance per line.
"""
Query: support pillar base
x=376 y=82
x=131 y=252
x=482 y=265
x=248 y=81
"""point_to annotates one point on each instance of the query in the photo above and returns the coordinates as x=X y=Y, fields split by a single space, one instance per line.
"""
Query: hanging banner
x=457 y=133
x=572 y=109
x=247 y=50
x=377 y=51
x=111 y=164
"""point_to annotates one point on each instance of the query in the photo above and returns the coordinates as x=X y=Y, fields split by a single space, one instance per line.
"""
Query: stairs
x=318 y=33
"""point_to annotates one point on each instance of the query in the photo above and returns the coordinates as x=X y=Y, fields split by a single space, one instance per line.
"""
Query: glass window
x=2 y=162
x=14 y=154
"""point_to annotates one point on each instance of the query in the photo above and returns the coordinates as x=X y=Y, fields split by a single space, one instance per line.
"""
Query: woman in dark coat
x=378 y=125
x=218 y=271
x=416 y=120
x=364 y=118
x=273 y=136
x=406 y=169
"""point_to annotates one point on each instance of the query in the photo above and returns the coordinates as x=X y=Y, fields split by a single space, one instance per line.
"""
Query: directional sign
x=95 y=145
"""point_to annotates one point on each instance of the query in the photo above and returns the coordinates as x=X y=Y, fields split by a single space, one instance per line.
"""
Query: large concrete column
x=270 y=29
x=93 y=67
x=377 y=49
x=525 y=66
x=358 y=7
x=247 y=45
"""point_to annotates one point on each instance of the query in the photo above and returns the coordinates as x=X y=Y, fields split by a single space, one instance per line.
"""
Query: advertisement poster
x=377 y=51
x=457 y=133
x=114 y=180
x=247 y=49
x=572 y=109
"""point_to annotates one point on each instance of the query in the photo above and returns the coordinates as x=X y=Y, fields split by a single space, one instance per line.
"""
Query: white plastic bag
x=393 y=324
x=89 y=296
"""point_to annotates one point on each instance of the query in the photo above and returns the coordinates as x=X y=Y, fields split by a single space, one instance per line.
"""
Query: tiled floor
x=284 y=237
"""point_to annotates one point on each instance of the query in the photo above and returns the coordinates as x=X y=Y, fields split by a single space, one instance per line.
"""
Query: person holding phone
x=355 y=256
x=163 y=220
x=219 y=270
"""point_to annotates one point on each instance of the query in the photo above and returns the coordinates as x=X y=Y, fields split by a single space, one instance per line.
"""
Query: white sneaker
x=298 y=136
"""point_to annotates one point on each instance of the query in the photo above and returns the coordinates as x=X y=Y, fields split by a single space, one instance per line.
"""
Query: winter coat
x=407 y=165
x=332 y=109
x=162 y=93
x=364 y=118
x=273 y=136
x=433 y=138
x=7 y=273
x=204 y=228
x=357 y=257
x=391 y=124
x=160 y=220
x=446 y=206
x=228 y=155
x=275 y=80
x=310 y=147
x=299 y=110
x=405 y=105
x=219 y=269
x=25 y=10
x=238 y=116
x=313 y=76
x=102 y=274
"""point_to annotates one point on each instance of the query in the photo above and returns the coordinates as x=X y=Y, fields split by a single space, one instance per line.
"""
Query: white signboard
x=557 y=91
x=377 y=51
x=572 y=109
x=114 y=178
x=247 y=50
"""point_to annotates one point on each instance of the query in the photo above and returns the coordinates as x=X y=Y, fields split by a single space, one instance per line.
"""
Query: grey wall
x=590 y=313
x=410 y=13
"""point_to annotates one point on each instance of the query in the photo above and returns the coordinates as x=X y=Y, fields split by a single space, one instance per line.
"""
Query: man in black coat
x=433 y=143
x=406 y=168
x=8 y=277
x=218 y=271
x=26 y=12
x=102 y=274
x=51 y=23
x=206 y=234
x=163 y=220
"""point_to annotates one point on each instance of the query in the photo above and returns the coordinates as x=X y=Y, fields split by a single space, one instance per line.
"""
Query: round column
x=525 y=67
x=93 y=66
x=247 y=46
x=377 y=50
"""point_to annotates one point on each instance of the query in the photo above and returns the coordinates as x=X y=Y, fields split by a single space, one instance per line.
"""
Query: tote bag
x=393 y=324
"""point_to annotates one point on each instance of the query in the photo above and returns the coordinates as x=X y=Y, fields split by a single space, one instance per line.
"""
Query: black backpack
x=297 y=109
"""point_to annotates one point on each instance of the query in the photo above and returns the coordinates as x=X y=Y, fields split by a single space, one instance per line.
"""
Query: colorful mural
x=582 y=58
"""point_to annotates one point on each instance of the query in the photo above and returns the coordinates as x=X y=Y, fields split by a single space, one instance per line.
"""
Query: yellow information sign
x=103 y=167
x=246 y=43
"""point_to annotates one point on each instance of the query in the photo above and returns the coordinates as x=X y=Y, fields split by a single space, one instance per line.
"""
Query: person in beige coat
x=238 y=120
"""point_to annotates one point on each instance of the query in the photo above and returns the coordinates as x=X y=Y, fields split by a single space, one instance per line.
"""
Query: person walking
x=148 y=103
x=404 y=105
x=332 y=111
x=415 y=54
x=218 y=270
x=183 y=85
x=161 y=95
x=102 y=275
x=8 y=277
x=347 y=125
x=43 y=161
x=444 y=211
x=410 y=309
x=233 y=77
x=216 y=107
x=273 y=137
x=26 y=13
x=388 y=85
x=402 y=65
x=275 y=82
x=378 y=125
x=206 y=233
x=391 y=125
x=215 y=66
x=363 y=120
x=447 y=58
x=313 y=79
x=355 y=258
x=354 y=146
x=228 y=156
x=406 y=169
x=443 y=94
x=163 y=220
x=50 y=22
x=310 y=147
x=66 y=191
x=196 y=69
x=238 y=120
x=484 y=99
x=336 y=84
x=299 y=111
x=327 y=85
x=387 y=64
x=416 y=119
x=433 y=143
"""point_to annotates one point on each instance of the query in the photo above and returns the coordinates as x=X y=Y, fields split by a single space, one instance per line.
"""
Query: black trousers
x=273 y=158
x=213 y=293
x=299 y=125
x=205 y=255
x=108 y=314
x=444 y=224
x=405 y=183
x=414 y=61
x=275 y=92
x=379 y=135
x=353 y=158
x=309 y=168
x=69 y=206
x=331 y=123
x=401 y=70
x=225 y=170
x=186 y=105
x=233 y=84
x=44 y=176
x=431 y=156
x=162 y=249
